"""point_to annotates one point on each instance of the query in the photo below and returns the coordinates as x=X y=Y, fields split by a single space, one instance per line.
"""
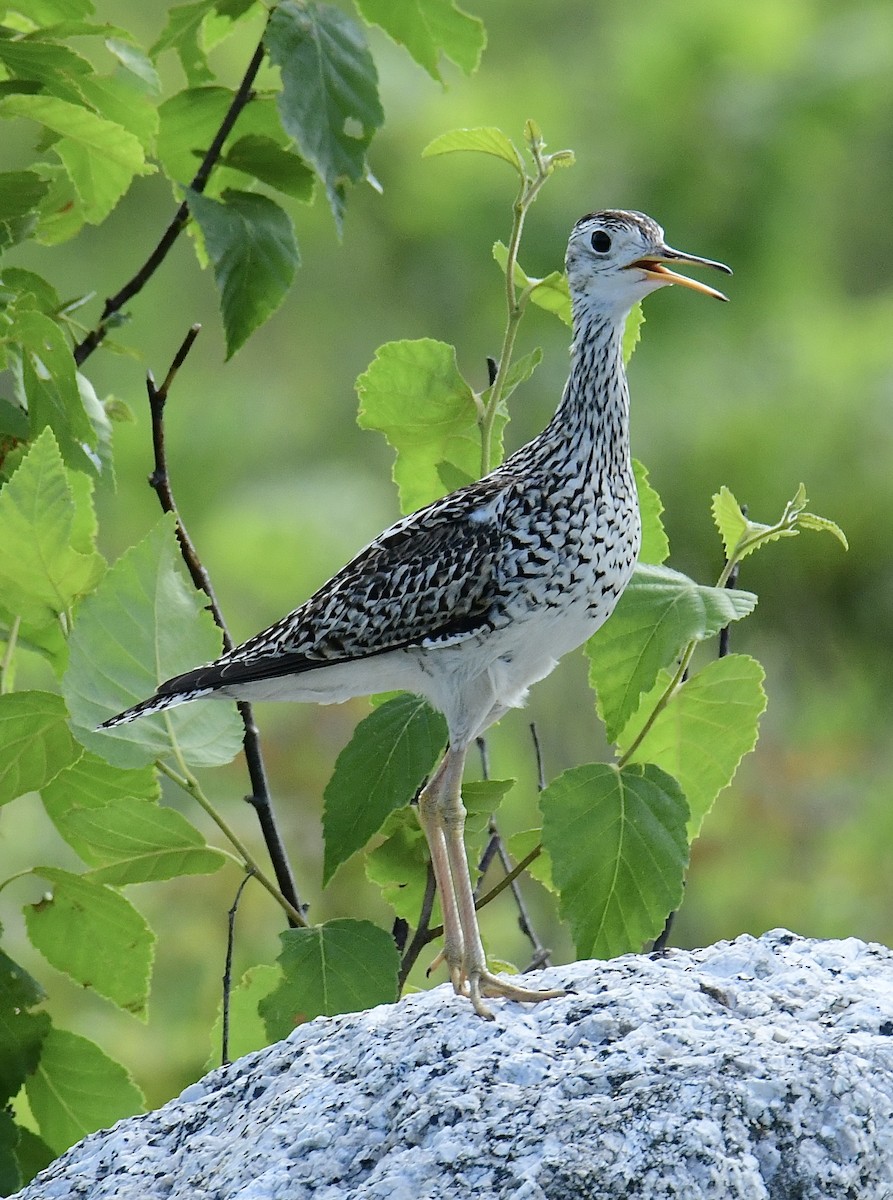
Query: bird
x=474 y=598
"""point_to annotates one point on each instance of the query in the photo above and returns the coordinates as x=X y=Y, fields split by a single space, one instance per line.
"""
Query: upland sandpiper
x=469 y=601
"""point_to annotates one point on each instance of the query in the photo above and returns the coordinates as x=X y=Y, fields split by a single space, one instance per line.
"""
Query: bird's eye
x=601 y=242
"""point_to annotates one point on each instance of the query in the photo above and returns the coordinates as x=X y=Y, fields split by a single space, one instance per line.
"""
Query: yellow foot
x=477 y=984
x=485 y=983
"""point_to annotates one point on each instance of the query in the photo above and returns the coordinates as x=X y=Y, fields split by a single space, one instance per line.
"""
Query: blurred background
x=758 y=134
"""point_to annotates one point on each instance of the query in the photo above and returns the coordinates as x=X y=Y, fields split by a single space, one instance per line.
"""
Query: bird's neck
x=594 y=410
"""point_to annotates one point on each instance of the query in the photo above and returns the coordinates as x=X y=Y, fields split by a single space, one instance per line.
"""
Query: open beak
x=653 y=265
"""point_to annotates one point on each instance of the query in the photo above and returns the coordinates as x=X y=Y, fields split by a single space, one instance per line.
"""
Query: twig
x=114 y=304
x=484 y=752
x=228 y=971
x=538 y=753
x=490 y=852
x=422 y=935
x=160 y=482
x=540 y=953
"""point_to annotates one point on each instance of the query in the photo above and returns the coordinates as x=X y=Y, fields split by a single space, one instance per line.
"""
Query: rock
x=754 y=1068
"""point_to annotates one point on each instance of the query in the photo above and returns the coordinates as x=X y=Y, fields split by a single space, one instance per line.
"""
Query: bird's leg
x=481 y=982
x=429 y=819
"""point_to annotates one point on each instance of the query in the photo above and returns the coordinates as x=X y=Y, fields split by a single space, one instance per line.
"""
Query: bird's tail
x=155 y=704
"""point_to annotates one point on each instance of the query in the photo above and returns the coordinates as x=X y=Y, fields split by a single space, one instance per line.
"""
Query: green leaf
x=251 y=243
x=32 y=1154
x=413 y=393
x=381 y=768
x=121 y=100
x=452 y=477
x=655 y=545
x=329 y=102
x=399 y=865
x=808 y=520
x=37 y=743
x=20 y=195
x=182 y=34
x=137 y=841
x=100 y=156
x=136 y=61
x=61 y=210
x=632 y=331
x=51 y=387
x=141 y=626
x=91 y=782
x=78 y=1089
x=93 y=934
x=482 y=797
x=57 y=69
x=550 y=293
x=90 y=932
x=13 y=421
x=22 y=1033
x=660 y=612
x=483 y=140
x=11 y=1177
x=247 y=1031
x=32 y=291
x=51 y=12
x=619 y=850
x=341 y=966
x=264 y=159
x=729 y=519
x=700 y=737
x=428 y=28
x=44 y=566
x=232 y=9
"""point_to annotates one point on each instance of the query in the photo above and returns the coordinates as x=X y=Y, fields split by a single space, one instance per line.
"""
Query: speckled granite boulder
x=759 y=1068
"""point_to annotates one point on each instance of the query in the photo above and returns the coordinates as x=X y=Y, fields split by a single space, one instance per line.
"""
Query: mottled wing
x=431 y=579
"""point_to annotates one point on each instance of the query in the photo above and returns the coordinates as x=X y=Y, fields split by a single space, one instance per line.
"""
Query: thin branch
x=423 y=935
x=507 y=880
x=538 y=753
x=159 y=480
x=490 y=852
x=540 y=953
x=228 y=972
x=242 y=97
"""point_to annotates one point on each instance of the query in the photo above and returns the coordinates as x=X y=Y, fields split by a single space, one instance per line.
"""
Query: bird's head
x=614 y=258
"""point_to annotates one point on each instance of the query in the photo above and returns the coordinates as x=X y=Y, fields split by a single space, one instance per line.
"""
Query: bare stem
x=228 y=972
x=515 y=304
x=422 y=935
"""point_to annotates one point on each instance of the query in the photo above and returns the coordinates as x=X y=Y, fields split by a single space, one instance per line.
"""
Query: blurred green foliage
x=761 y=135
